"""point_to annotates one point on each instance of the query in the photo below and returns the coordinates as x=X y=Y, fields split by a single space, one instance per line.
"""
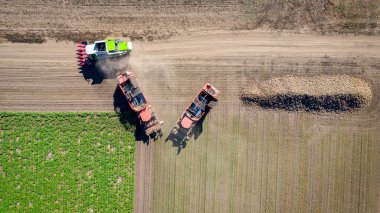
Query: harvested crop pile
x=318 y=93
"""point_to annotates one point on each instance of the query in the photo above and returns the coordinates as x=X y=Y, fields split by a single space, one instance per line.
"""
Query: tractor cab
x=100 y=47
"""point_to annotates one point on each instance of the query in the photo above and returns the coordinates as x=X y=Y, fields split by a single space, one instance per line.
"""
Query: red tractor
x=196 y=111
x=139 y=104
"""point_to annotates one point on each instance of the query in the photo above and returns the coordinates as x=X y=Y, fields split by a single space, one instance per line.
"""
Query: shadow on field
x=179 y=136
x=290 y=102
x=127 y=116
x=92 y=74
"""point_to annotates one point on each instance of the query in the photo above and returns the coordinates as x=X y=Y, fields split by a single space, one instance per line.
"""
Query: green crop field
x=66 y=162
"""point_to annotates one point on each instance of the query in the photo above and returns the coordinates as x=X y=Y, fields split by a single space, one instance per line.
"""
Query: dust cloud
x=111 y=67
x=147 y=65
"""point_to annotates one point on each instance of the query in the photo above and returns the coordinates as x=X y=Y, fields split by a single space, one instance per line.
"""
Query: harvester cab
x=90 y=53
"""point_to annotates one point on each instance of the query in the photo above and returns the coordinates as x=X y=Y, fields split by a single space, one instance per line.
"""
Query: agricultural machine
x=139 y=104
x=88 y=53
x=196 y=111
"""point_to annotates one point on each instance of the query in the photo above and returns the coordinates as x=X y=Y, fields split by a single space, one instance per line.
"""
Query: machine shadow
x=179 y=136
x=92 y=74
x=105 y=69
x=127 y=117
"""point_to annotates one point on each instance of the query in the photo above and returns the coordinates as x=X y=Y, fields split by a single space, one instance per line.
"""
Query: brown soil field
x=244 y=160
x=33 y=21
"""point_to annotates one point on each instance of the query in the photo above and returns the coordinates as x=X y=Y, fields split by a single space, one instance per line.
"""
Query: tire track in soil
x=66 y=16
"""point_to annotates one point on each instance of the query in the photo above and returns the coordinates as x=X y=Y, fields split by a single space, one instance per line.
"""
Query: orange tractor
x=197 y=110
x=139 y=104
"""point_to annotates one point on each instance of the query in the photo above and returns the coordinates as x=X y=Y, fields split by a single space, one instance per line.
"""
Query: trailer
x=138 y=103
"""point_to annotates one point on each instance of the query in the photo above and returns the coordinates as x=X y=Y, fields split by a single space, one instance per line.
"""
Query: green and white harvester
x=88 y=53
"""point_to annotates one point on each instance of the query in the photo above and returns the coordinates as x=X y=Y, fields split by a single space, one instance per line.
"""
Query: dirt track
x=34 y=20
x=245 y=160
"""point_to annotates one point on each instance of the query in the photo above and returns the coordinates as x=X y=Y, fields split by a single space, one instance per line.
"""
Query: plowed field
x=245 y=160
